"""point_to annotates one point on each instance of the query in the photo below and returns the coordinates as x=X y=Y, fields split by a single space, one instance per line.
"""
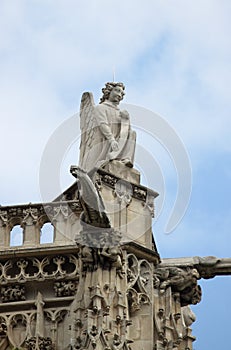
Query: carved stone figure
x=183 y=281
x=92 y=203
x=112 y=257
x=105 y=130
x=176 y=277
x=101 y=248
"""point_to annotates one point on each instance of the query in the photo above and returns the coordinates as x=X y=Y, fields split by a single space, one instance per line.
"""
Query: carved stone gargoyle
x=93 y=207
x=99 y=242
x=183 y=281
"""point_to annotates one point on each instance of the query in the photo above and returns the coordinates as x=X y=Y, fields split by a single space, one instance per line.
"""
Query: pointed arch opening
x=47 y=233
x=16 y=236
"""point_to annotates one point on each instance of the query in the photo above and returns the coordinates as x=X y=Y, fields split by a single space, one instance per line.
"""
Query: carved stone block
x=13 y=293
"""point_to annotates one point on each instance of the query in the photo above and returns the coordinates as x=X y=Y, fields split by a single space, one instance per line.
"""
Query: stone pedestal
x=129 y=205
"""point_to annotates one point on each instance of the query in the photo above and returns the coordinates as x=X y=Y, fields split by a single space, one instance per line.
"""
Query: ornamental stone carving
x=139 y=281
x=3 y=217
x=3 y=327
x=183 y=281
x=39 y=343
x=123 y=191
x=100 y=247
x=65 y=288
x=30 y=216
x=13 y=293
x=31 y=269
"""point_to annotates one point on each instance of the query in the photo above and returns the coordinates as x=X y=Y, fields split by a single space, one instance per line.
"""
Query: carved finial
x=39 y=331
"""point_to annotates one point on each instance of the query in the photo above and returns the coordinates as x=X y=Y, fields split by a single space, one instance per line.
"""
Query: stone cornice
x=208 y=266
x=142 y=252
x=45 y=249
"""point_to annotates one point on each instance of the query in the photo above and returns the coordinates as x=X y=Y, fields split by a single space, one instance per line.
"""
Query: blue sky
x=174 y=57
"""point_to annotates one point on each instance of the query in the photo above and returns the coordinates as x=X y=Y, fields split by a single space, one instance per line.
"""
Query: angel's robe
x=98 y=152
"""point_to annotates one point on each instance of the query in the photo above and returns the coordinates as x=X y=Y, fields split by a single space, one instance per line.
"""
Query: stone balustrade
x=30 y=219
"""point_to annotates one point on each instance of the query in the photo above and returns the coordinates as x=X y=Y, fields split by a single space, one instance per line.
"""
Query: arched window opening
x=16 y=236
x=47 y=233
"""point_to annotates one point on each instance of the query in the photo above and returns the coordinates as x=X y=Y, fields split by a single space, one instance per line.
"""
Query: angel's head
x=113 y=91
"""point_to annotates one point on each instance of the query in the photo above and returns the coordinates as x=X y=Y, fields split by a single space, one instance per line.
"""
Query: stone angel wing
x=87 y=124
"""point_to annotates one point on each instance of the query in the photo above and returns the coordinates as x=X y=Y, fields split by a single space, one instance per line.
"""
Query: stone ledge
x=141 y=252
x=122 y=171
x=46 y=249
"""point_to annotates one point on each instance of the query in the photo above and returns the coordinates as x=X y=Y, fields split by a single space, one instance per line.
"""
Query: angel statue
x=106 y=134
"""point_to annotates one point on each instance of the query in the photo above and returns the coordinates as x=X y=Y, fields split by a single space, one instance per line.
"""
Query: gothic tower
x=100 y=284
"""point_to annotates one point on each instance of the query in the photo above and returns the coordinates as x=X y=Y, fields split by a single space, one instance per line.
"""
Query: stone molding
x=39 y=269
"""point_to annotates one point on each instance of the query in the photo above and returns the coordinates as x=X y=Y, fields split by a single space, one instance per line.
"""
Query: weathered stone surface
x=105 y=130
x=122 y=171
